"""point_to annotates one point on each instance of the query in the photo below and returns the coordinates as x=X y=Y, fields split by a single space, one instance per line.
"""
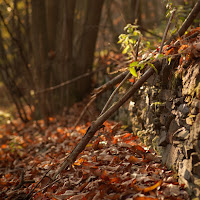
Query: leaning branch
x=123 y=81
x=96 y=125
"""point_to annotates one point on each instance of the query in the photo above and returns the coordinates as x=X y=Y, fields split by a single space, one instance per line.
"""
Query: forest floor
x=114 y=165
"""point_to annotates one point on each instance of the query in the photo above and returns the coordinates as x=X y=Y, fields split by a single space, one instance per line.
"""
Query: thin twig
x=147 y=31
x=123 y=81
x=28 y=196
x=70 y=81
x=114 y=92
x=188 y=21
x=166 y=30
x=98 y=91
x=45 y=187
x=84 y=110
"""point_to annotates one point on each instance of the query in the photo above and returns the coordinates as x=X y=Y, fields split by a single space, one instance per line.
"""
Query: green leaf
x=141 y=66
x=136 y=32
x=133 y=64
x=169 y=60
x=120 y=41
x=158 y=56
x=121 y=38
x=125 y=49
x=127 y=26
x=133 y=71
x=148 y=44
x=131 y=41
x=152 y=65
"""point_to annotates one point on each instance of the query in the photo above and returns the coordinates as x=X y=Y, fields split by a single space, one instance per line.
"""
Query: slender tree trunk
x=84 y=59
x=135 y=12
x=52 y=13
x=40 y=53
x=64 y=59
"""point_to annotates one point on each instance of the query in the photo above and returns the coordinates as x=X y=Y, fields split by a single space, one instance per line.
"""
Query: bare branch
x=123 y=81
x=70 y=81
x=188 y=21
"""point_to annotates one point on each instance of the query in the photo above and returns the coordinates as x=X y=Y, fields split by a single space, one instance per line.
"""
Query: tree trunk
x=63 y=65
x=84 y=59
x=40 y=52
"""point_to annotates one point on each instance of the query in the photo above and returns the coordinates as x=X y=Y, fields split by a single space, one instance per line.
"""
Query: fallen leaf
x=133 y=159
x=145 y=198
x=147 y=189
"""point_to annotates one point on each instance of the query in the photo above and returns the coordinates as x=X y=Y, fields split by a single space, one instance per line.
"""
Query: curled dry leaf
x=153 y=187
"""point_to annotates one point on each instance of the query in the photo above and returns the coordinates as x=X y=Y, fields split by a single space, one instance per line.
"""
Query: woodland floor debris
x=114 y=165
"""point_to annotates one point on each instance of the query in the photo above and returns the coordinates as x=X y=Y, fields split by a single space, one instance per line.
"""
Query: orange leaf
x=153 y=186
x=60 y=130
x=131 y=80
x=126 y=135
x=138 y=147
x=133 y=159
x=114 y=140
x=145 y=198
x=4 y=146
x=3 y=181
x=7 y=175
x=104 y=175
x=181 y=60
x=114 y=180
x=51 y=119
x=133 y=182
x=80 y=161
x=183 y=47
x=171 y=51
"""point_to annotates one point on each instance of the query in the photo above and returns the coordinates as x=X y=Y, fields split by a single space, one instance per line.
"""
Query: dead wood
x=98 y=91
x=96 y=125
x=122 y=82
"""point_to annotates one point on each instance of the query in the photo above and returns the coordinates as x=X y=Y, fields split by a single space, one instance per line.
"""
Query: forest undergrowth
x=114 y=165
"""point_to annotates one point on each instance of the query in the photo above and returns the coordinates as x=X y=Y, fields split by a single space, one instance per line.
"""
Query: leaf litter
x=114 y=165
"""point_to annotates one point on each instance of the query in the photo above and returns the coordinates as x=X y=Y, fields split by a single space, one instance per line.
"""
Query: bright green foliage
x=128 y=43
x=169 y=60
x=132 y=68
x=129 y=40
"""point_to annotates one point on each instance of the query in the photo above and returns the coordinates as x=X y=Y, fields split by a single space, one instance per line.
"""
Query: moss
x=197 y=91
x=155 y=145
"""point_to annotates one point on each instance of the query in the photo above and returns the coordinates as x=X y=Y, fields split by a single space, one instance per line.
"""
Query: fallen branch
x=96 y=125
x=22 y=181
x=28 y=196
x=98 y=91
x=122 y=82
x=70 y=81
